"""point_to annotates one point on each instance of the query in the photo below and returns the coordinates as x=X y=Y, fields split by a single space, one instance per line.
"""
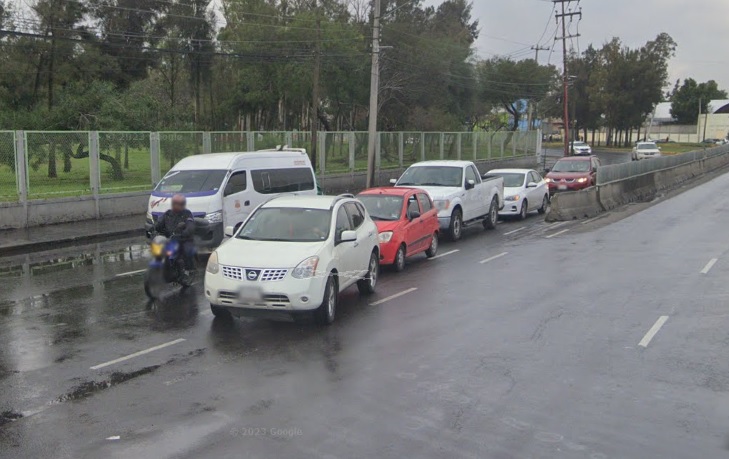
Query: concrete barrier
x=61 y=210
x=572 y=205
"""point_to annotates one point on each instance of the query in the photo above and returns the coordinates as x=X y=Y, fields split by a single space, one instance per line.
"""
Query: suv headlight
x=581 y=180
x=386 y=236
x=306 y=268
x=214 y=217
x=442 y=204
x=512 y=198
x=548 y=180
x=213 y=266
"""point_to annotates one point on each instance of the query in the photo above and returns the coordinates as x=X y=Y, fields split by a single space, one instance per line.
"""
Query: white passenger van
x=224 y=188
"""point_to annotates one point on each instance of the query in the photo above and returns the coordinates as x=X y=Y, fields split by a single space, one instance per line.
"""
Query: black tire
x=455 y=230
x=367 y=285
x=524 y=210
x=433 y=249
x=493 y=217
x=545 y=204
x=153 y=283
x=327 y=310
x=399 y=265
x=220 y=312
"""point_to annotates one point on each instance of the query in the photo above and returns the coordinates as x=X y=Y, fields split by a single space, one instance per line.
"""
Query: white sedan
x=524 y=191
x=646 y=150
x=581 y=149
x=293 y=255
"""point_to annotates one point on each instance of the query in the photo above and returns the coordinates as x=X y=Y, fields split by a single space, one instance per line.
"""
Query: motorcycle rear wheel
x=153 y=283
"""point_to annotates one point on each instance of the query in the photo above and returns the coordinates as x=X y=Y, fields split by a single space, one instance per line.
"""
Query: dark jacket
x=169 y=223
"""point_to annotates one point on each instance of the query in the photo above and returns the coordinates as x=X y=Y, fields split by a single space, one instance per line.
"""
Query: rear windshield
x=272 y=181
x=566 y=165
x=511 y=180
x=382 y=207
x=191 y=181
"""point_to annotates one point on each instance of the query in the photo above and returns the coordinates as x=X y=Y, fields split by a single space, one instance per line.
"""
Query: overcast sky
x=700 y=27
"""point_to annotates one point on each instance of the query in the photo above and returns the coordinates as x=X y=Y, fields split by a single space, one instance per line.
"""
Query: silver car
x=646 y=150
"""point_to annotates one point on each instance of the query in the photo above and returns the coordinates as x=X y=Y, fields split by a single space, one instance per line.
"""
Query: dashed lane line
x=136 y=354
x=557 y=233
x=652 y=332
x=131 y=273
x=444 y=254
x=709 y=265
x=392 y=297
x=493 y=258
x=515 y=231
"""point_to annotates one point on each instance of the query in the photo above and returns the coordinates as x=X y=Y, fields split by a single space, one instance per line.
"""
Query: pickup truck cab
x=459 y=192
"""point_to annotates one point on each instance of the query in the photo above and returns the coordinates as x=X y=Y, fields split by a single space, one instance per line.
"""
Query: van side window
x=236 y=183
x=355 y=214
x=272 y=181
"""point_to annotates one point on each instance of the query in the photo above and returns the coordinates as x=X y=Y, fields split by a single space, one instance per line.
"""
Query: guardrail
x=56 y=164
x=616 y=172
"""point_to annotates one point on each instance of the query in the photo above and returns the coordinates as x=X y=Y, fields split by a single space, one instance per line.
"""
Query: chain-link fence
x=8 y=167
x=62 y=164
x=58 y=164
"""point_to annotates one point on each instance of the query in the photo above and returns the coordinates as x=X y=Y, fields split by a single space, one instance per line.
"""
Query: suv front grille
x=267 y=275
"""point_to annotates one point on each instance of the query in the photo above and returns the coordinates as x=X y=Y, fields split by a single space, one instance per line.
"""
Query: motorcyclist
x=179 y=221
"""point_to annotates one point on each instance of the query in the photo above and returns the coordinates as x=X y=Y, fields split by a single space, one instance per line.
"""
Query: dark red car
x=573 y=173
x=406 y=220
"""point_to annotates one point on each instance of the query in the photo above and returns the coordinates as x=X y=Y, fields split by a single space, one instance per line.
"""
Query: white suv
x=294 y=254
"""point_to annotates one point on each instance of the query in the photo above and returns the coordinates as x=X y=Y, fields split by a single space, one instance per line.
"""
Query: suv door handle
x=356 y=244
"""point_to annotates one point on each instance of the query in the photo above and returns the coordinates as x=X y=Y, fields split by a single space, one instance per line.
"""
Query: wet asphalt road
x=531 y=355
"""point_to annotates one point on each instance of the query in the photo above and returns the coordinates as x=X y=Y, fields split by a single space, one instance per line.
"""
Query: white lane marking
x=556 y=225
x=493 y=258
x=652 y=332
x=515 y=231
x=593 y=219
x=113 y=437
x=444 y=254
x=557 y=233
x=392 y=297
x=131 y=273
x=709 y=265
x=137 y=354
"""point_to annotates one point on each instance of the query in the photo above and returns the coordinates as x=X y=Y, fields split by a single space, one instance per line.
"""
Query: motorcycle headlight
x=156 y=249
x=306 y=268
x=512 y=198
x=214 y=217
x=442 y=204
x=213 y=266
x=386 y=236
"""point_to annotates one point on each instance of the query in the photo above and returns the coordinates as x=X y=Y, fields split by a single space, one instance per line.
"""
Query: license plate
x=562 y=187
x=250 y=294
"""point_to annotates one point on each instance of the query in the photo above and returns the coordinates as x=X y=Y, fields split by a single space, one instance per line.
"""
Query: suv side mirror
x=393 y=181
x=594 y=169
x=229 y=231
x=470 y=184
x=348 y=236
x=531 y=185
x=546 y=170
x=413 y=214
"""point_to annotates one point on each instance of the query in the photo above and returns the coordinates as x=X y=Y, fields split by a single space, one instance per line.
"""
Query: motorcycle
x=167 y=266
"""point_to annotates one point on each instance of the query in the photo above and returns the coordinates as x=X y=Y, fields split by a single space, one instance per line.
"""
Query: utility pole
x=374 y=93
x=315 y=92
x=534 y=111
x=565 y=77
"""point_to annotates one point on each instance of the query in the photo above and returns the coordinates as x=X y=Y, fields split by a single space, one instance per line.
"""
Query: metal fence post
x=475 y=145
x=156 y=175
x=378 y=150
x=321 y=148
x=514 y=139
x=250 y=141
x=352 y=149
x=94 y=169
x=21 y=166
x=503 y=141
x=491 y=141
x=288 y=140
x=460 y=141
x=207 y=143
x=400 y=148
x=441 y=146
x=422 y=146
x=538 y=148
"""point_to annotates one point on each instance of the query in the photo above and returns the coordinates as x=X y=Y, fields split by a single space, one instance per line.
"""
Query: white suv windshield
x=432 y=176
x=287 y=224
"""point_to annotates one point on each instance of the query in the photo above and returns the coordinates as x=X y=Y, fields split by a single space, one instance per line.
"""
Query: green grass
x=8 y=187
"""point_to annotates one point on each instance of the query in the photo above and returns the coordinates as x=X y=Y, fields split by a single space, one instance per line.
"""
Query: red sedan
x=407 y=222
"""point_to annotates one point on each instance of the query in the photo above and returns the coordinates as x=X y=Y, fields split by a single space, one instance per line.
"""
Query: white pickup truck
x=459 y=192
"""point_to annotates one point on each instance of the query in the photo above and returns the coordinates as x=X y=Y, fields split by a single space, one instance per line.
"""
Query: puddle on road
x=89 y=388
x=35 y=264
